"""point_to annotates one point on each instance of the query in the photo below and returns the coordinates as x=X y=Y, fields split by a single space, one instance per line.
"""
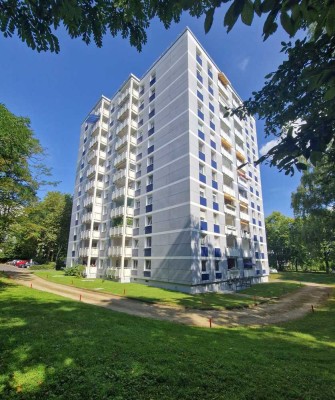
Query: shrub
x=50 y=265
x=76 y=270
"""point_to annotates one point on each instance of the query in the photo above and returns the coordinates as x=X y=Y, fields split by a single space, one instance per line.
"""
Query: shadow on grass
x=53 y=348
x=310 y=277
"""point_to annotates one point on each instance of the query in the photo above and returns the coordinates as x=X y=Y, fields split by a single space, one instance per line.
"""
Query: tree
x=20 y=168
x=314 y=203
x=297 y=101
x=41 y=231
x=277 y=228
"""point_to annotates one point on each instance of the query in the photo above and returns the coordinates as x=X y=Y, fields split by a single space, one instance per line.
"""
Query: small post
x=255 y=300
x=31 y=286
x=47 y=276
x=210 y=322
x=124 y=292
x=72 y=282
x=312 y=308
x=80 y=297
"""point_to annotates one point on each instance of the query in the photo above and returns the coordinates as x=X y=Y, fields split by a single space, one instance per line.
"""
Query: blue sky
x=57 y=90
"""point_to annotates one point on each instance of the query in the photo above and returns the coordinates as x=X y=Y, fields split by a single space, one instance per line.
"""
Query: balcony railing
x=120 y=230
x=119 y=211
x=229 y=209
x=229 y=190
x=118 y=251
x=233 y=252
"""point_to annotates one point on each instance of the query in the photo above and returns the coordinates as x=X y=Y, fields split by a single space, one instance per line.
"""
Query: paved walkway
x=292 y=306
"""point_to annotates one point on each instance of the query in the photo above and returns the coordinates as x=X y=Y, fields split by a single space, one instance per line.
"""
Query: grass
x=55 y=348
x=151 y=294
x=272 y=289
x=311 y=277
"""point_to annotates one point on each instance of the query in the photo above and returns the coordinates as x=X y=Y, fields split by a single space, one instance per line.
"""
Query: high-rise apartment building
x=159 y=195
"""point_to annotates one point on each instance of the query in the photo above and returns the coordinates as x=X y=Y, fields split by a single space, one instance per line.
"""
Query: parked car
x=273 y=271
x=31 y=263
x=21 y=263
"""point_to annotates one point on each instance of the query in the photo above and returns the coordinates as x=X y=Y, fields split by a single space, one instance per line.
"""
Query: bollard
x=210 y=322
x=312 y=308
x=80 y=297
x=72 y=282
x=31 y=286
x=124 y=292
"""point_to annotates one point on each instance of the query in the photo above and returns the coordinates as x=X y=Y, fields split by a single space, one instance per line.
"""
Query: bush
x=60 y=264
x=50 y=265
x=76 y=270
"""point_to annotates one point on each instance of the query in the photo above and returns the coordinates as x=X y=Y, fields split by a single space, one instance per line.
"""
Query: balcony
x=229 y=190
x=226 y=153
x=230 y=230
x=124 y=112
x=89 y=187
x=233 y=252
x=238 y=127
x=118 y=251
x=119 y=211
x=120 y=231
x=228 y=172
x=120 y=177
x=245 y=234
x=246 y=253
x=229 y=209
x=122 y=142
x=122 y=159
x=92 y=157
x=244 y=216
x=122 y=129
x=95 y=169
x=239 y=149
x=86 y=251
x=90 y=234
x=88 y=217
x=123 y=96
x=119 y=193
x=242 y=181
x=243 y=199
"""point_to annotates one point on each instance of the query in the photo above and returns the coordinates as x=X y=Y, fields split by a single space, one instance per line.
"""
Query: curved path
x=292 y=306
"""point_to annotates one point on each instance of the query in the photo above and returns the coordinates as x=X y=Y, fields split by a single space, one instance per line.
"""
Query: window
x=137 y=204
x=210 y=88
x=201 y=111
x=202 y=169
x=216 y=219
x=141 y=90
x=150 y=160
x=135 y=264
x=211 y=107
x=138 y=185
x=141 y=106
x=152 y=94
x=150 y=180
x=148 y=242
x=199 y=76
x=198 y=57
x=151 y=128
x=136 y=244
x=149 y=200
x=147 y=265
x=202 y=193
x=217 y=265
x=152 y=78
x=149 y=220
x=203 y=266
x=210 y=71
x=136 y=223
x=214 y=198
x=151 y=111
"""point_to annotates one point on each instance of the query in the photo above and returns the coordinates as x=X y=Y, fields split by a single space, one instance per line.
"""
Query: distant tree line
x=306 y=241
x=29 y=228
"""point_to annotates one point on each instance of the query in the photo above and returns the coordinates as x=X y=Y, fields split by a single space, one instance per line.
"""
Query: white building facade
x=159 y=196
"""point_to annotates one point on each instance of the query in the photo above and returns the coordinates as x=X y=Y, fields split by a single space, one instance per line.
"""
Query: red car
x=21 y=263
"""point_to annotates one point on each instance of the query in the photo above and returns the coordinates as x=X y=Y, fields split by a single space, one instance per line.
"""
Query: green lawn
x=272 y=289
x=151 y=294
x=57 y=349
x=313 y=277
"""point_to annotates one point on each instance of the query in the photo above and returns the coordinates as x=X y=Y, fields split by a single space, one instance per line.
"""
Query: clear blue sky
x=57 y=90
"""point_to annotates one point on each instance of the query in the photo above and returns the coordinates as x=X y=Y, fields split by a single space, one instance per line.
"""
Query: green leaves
x=247 y=15
x=209 y=19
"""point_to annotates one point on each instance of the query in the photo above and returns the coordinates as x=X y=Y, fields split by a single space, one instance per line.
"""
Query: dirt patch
x=290 y=307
